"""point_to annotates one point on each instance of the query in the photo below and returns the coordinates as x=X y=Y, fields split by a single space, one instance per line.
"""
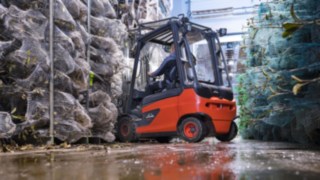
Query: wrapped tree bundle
x=7 y=127
x=278 y=93
x=103 y=113
x=25 y=68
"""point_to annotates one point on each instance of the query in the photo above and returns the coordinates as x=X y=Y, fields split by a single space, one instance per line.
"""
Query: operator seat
x=172 y=79
x=171 y=89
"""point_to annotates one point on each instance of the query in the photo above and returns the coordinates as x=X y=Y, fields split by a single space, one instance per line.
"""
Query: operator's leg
x=156 y=87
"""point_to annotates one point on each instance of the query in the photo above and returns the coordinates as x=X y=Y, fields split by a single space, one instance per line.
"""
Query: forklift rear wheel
x=192 y=130
x=126 y=131
x=231 y=134
x=163 y=139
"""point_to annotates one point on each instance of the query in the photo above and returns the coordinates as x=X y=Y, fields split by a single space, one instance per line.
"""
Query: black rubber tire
x=192 y=137
x=163 y=139
x=126 y=130
x=231 y=134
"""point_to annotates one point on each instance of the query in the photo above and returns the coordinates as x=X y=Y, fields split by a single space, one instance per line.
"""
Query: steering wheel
x=152 y=79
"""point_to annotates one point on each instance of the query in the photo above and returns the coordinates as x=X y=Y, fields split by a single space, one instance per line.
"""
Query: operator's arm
x=164 y=65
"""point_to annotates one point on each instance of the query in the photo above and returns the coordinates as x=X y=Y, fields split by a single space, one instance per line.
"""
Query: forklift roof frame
x=166 y=38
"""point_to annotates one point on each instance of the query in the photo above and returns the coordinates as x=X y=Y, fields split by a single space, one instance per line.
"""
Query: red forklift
x=195 y=102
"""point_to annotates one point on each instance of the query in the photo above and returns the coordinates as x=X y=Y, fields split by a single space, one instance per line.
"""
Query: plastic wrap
x=7 y=127
x=278 y=93
x=104 y=114
x=25 y=68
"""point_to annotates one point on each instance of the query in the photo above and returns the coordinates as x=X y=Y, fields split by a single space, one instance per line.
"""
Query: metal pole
x=88 y=48
x=88 y=56
x=188 y=2
x=51 y=88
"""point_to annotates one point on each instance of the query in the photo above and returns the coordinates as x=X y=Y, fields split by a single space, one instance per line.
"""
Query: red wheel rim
x=190 y=130
x=124 y=129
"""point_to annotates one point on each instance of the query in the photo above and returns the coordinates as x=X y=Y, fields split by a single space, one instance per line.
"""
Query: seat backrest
x=173 y=74
x=172 y=78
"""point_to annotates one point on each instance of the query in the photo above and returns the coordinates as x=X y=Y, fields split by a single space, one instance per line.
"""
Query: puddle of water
x=182 y=161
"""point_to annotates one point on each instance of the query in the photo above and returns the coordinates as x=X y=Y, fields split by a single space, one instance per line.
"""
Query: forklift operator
x=168 y=68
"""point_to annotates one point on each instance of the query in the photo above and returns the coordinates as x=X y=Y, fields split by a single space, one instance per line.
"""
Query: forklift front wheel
x=192 y=130
x=233 y=131
x=126 y=131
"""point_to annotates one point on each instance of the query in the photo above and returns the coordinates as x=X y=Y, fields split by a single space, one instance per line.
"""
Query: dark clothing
x=156 y=87
x=166 y=66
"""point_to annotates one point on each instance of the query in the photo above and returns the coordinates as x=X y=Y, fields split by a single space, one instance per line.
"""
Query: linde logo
x=150 y=115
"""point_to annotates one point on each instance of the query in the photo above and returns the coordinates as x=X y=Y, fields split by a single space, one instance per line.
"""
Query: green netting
x=279 y=92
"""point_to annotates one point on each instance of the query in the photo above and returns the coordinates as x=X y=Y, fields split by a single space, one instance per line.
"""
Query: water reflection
x=188 y=164
x=152 y=162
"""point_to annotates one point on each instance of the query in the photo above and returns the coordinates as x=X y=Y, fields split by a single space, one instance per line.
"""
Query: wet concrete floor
x=240 y=159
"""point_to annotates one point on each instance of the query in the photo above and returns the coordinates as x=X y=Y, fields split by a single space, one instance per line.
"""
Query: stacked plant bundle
x=141 y=11
x=279 y=92
x=25 y=68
